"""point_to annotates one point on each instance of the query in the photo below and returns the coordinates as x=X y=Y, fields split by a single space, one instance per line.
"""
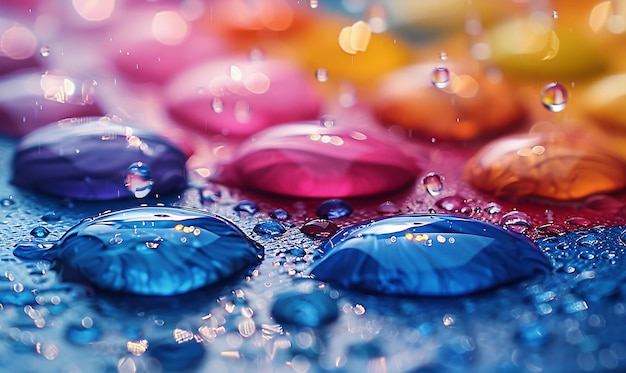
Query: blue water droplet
x=280 y=214
x=6 y=202
x=269 y=228
x=83 y=333
x=333 y=209
x=533 y=335
x=138 y=179
x=246 y=206
x=155 y=251
x=88 y=158
x=51 y=217
x=428 y=254
x=177 y=356
x=305 y=310
x=40 y=232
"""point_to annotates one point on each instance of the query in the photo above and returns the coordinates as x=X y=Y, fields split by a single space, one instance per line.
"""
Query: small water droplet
x=269 y=228
x=246 y=206
x=443 y=55
x=314 y=4
x=554 y=97
x=440 y=77
x=280 y=214
x=305 y=310
x=388 y=207
x=327 y=121
x=333 y=209
x=578 y=222
x=555 y=14
x=83 y=333
x=433 y=183
x=44 y=51
x=589 y=240
x=217 y=105
x=6 y=202
x=516 y=221
x=493 y=208
x=319 y=228
x=51 y=217
x=451 y=203
x=587 y=255
x=321 y=75
x=138 y=179
x=40 y=232
x=550 y=229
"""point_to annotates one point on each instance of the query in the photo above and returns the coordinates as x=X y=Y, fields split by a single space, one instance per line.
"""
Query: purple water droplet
x=334 y=209
x=246 y=206
x=280 y=214
x=74 y=158
x=388 y=207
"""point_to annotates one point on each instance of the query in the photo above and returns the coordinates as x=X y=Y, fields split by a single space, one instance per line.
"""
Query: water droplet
x=554 y=97
x=578 y=222
x=516 y=221
x=561 y=165
x=319 y=228
x=177 y=357
x=321 y=75
x=451 y=203
x=83 y=333
x=433 y=183
x=533 y=335
x=327 y=121
x=555 y=14
x=217 y=105
x=313 y=161
x=6 y=202
x=589 y=240
x=269 y=228
x=493 y=208
x=388 y=207
x=138 y=180
x=587 y=255
x=314 y=4
x=443 y=55
x=51 y=217
x=551 y=229
x=333 y=209
x=99 y=170
x=427 y=255
x=305 y=310
x=44 y=51
x=195 y=250
x=40 y=232
x=440 y=77
x=280 y=214
x=246 y=206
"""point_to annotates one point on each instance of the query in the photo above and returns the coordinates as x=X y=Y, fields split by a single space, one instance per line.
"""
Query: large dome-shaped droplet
x=88 y=158
x=155 y=251
x=309 y=160
x=430 y=254
x=563 y=165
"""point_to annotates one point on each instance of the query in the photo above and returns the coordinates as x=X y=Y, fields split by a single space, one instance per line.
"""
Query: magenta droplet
x=309 y=160
x=253 y=95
